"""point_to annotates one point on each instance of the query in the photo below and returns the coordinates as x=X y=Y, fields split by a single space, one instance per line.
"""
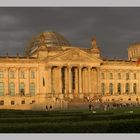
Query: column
x=95 y=82
x=70 y=79
x=76 y=81
x=138 y=84
x=89 y=80
x=60 y=79
x=6 y=83
x=131 y=87
x=98 y=81
x=66 y=78
x=37 y=81
x=115 y=81
x=83 y=80
x=123 y=86
x=28 y=82
x=49 y=70
x=17 y=82
x=80 y=80
x=66 y=81
x=84 y=83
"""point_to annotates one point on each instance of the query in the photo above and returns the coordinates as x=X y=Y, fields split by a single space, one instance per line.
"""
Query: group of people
x=108 y=106
x=49 y=108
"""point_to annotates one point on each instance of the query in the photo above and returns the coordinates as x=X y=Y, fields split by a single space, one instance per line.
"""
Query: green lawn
x=76 y=121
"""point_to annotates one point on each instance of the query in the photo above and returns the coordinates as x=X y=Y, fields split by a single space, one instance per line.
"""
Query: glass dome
x=48 y=39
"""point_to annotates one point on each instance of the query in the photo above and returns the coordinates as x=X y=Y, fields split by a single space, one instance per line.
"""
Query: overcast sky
x=114 y=28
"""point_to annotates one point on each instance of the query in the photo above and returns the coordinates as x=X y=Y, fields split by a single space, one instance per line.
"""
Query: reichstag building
x=54 y=71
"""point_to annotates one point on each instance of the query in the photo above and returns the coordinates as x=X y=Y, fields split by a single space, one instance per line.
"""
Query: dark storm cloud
x=115 y=28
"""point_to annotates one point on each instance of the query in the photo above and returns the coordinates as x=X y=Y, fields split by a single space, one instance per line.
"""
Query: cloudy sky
x=114 y=28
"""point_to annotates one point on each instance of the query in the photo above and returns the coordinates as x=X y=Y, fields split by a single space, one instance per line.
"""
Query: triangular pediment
x=75 y=54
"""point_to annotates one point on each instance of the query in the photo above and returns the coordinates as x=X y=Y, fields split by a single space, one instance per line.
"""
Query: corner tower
x=94 y=48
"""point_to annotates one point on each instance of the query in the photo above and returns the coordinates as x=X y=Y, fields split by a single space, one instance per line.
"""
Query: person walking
x=90 y=107
x=46 y=108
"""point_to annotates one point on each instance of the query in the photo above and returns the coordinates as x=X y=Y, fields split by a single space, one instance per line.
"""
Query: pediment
x=75 y=54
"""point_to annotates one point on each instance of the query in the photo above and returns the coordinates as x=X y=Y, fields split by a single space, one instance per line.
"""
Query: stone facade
x=53 y=72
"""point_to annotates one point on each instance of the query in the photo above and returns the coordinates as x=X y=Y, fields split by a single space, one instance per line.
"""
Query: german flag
x=138 y=61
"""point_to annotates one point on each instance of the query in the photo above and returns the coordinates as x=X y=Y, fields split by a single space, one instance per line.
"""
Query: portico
x=72 y=79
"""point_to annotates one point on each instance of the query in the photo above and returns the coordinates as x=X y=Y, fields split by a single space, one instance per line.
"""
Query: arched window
x=1 y=89
x=1 y=74
x=119 y=75
x=119 y=88
x=102 y=76
x=127 y=88
x=32 y=75
x=11 y=74
x=127 y=76
x=22 y=74
x=110 y=75
x=32 y=89
x=135 y=88
x=111 y=88
x=22 y=88
x=102 y=88
x=12 y=89
x=135 y=76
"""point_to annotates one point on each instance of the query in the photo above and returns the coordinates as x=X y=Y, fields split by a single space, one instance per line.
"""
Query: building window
x=1 y=102
x=1 y=74
x=12 y=89
x=102 y=76
x=119 y=75
x=32 y=89
x=110 y=76
x=12 y=102
x=73 y=79
x=119 y=88
x=11 y=74
x=127 y=76
x=32 y=75
x=22 y=74
x=135 y=76
x=22 y=88
x=1 y=89
x=135 y=88
x=103 y=89
x=33 y=101
x=23 y=102
x=111 y=88
x=127 y=88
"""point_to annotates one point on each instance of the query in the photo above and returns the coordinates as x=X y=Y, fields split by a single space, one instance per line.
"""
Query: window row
x=22 y=74
x=119 y=76
x=119 y=88
x=21 y=89
x=14 y=102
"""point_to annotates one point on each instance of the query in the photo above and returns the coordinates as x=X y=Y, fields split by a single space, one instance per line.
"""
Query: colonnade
x=72 y=80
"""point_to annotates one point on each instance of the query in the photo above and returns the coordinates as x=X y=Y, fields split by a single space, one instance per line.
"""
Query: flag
x=43 y=82
x=138 y=61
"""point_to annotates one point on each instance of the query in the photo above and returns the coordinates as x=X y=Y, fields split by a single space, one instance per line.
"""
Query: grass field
x=81 y=121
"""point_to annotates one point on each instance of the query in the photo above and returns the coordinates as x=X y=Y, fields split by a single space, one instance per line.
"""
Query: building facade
x=52 y=69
